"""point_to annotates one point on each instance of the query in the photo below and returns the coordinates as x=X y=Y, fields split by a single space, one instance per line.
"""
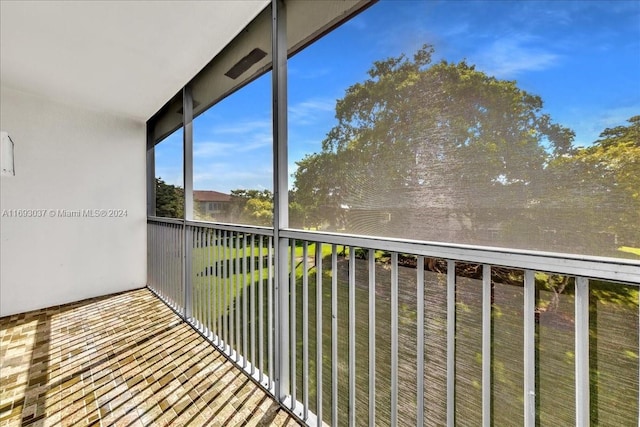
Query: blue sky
x=581 y=57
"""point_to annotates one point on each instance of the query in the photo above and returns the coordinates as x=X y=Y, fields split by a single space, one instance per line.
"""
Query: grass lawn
x=629 y=250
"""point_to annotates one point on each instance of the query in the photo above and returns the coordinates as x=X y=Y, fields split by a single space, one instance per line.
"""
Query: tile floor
x=124 y=360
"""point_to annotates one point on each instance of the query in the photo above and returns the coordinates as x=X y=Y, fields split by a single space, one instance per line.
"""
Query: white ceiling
x=124 y=57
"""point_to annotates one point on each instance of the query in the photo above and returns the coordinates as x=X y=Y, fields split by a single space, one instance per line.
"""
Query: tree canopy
x=252 y=206
x=443 y=151
x=169 y=200
x=418 y=136
x=601 y=183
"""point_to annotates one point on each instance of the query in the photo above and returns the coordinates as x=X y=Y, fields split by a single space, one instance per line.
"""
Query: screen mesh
x=429 y=121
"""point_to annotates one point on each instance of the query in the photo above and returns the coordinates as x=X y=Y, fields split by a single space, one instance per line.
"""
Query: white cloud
x=309 y=111
x=589 y=125
x=458 y=29
x=507 y=57
x=211 y=149
x=252 y=139
x=242 y=127
x=254 y=142
x=309 y=73
x=224 y=177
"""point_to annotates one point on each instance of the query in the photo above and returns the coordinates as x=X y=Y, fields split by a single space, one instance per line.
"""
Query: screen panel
x=430 y=121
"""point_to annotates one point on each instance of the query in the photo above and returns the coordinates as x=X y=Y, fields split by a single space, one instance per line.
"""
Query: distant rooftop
x=210 y=196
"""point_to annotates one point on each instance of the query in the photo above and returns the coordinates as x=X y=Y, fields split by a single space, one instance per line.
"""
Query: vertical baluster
x=334 y=335
x=372 y=337
x=292 y=321
x=159 y=248
x=451 y=342
x=191 y=273
x=170 y=254
x=220 y=289
x=245 y=289
x=252 y=295
x=582 y=351
x=305 y=330
x=174 y=259
x=216 y=283
x=486 y=345
x=319 y=359
x=187 y=272
x=394 y=339
x=529 y=349
x=172 y=280
x=169 y=251
x=171 y=260
x=179 y=268
x=209 y=282
x=178 y=265
x=162 y=249
x=352 y=336
x=420 y=342
x=193 y=255
x=203 y=279
x=214 y=286
x=225 y=311
x=231 y=293
x=197 y=289
x=159 y=258
x=260 y=282
x=270 y=309
x=237 y=284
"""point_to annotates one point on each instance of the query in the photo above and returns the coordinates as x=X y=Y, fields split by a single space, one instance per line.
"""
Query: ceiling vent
x=245 y=63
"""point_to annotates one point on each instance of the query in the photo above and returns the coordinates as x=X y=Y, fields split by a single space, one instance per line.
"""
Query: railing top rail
x=165 y=220
x=254 y=229
x=614 y=269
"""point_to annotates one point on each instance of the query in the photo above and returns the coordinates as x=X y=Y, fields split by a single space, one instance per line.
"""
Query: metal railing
x=388 y=332
x=165 y=258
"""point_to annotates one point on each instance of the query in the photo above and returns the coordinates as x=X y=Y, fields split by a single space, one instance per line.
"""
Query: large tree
x=593 y=193
x=433 y=145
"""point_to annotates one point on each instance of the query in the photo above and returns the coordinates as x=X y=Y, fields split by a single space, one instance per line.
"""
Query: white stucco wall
x=68 y=158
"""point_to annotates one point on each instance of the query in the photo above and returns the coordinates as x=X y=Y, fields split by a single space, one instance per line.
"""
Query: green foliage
x=169 y=200
x=605 y=176
x=397 y=128
x=259 y=211
x=435 y=144
x=253 y=206
x=256 y=207
x=296 y=215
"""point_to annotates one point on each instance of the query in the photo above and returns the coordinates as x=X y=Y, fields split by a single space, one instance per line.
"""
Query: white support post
x=281 y=199
x=187 y=155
